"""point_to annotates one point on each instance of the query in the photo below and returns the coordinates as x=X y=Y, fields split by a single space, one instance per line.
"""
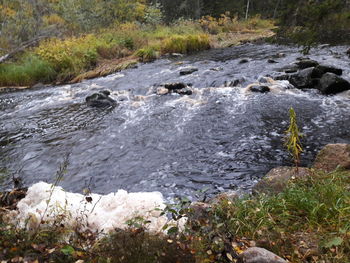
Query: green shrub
x=147 y=54
x=28 y=71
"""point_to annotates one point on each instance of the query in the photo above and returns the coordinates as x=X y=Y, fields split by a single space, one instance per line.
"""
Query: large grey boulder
x=330 y=83
x=332 y=156
x=278 y=178
x=259 y=255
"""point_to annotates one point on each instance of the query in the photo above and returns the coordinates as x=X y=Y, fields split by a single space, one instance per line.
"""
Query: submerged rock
x=100 y=100
x=277 y=179
x=332 y=156
x=331 y=83
x=259 y=255
x=188 y=71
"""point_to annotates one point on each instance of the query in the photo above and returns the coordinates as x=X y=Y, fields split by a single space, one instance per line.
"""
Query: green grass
x=314 y=211
x=29 y=70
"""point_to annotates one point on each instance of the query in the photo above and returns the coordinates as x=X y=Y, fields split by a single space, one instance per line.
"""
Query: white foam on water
x=103 y=214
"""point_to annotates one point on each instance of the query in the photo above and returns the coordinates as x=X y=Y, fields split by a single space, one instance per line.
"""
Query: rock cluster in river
x=309 y=74
x=100 y=99
x=177 y=88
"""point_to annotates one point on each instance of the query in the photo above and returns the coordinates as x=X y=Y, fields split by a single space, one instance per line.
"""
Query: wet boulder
x=331 y=83
x=306 y=63
x=259 y=255
x=278 y=178
x=292 y=68
x=177 y=87
x=188 y=71
x=303 y=79
x=323 y=69
x=259 y=88
x=100 y=100
x=348 y=52
x=333 y=156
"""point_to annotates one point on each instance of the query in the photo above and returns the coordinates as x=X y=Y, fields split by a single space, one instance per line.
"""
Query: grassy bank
x=307 y=222
x=92 y=55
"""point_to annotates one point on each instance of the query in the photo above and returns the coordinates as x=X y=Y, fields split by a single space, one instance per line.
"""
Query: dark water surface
x=218 y=138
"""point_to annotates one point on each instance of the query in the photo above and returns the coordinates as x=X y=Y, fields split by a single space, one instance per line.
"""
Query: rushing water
x=218 y=138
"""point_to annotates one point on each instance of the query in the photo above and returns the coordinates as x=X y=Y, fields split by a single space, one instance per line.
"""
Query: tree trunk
x=276 y=9
x=247 y=10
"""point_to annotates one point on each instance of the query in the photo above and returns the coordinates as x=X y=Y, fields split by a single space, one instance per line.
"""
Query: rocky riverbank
x=288 y=214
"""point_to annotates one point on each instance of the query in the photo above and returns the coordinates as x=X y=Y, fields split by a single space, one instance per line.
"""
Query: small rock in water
x=188 y=71
x=100 y=100
x=242 y=61
x=176 y=55
x=184 y=91
x=271 y=61
x=259 y=88
x=279 y=55
x=177 y=87
x=259 y=255
x=348 y=52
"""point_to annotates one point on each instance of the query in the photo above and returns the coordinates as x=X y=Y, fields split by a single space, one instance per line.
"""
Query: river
x=218 y=139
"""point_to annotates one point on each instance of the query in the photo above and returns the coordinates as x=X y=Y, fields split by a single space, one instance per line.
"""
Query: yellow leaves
x=7 y=12
x=53 y=19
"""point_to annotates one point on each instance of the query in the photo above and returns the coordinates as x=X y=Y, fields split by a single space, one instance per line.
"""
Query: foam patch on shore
x=103 y=213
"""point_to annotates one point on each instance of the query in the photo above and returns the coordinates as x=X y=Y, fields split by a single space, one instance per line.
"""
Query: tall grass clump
x=185 y=44
x=147 y=54
x=27 y=71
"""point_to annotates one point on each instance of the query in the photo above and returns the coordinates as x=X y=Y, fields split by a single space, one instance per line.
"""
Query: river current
x=219 y=139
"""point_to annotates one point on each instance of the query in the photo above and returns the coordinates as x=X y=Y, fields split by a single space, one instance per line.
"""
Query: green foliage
x=293 y=135
x=29 y=70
